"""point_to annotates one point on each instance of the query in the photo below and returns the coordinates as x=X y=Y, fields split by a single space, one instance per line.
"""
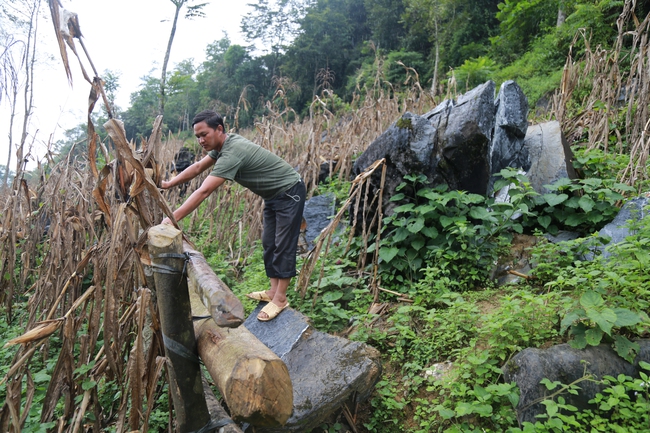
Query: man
x=237 y=159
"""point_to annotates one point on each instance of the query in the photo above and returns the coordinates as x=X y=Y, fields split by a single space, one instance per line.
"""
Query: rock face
x=466 y=143
x=617 y=230
x=183 y=159
x=463 y=141
x=566 y=365
x=550 y=155
x=507 y=148
x=317 y=213
x=326 y=371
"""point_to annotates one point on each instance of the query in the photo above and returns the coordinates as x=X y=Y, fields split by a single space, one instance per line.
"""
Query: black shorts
x=282 y=219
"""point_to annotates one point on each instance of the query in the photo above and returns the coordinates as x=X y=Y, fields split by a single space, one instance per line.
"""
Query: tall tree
x=274 y=25
x=328 y=48
x=17 y=59
x=386 y=23
x=193 y=11
x=521 y=22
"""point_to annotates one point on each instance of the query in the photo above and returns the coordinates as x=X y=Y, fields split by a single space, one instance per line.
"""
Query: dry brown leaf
x=40 y=331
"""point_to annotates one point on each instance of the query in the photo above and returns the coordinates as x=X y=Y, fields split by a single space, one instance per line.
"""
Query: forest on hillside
x=319 y=81
x=298 y=49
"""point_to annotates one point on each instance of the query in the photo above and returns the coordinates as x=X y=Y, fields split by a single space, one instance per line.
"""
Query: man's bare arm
x=190 y=172
x=193 y=201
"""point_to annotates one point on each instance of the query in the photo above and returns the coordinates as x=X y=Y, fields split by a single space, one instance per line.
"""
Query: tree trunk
x=434 y=81
x=253 y=381
x=161 y=106
x=561 y=15
x=222 y=305
x=216 y=411
x=165 y=247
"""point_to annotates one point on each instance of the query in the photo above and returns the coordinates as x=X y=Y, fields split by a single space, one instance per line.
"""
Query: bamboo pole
x=168 y=264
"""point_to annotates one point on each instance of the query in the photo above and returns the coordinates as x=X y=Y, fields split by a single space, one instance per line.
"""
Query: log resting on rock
x=254 y=382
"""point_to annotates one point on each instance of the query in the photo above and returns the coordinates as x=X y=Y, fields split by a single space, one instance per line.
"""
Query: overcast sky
x=128 y=37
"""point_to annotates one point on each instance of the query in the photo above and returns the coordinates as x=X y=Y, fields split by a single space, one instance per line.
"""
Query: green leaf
x=332 y=296
x=586 y=203
x=575 y=219
x=591 y=300
x=88 y=384
x=554 y=199
x=479 y=213
x=464 y=408
x=579 y=341
x=404 y=208
x=388 y=254
x=625 y=317
x=414 y=226
x=483 y=410
x=544 y=221
x=572 y=316
x=593 y=336
x=446 y=221
x=625 y=348
x=417 y=244
x=41 y=376
x=444 y=412
x=429 y=232
x=604 y=318
x=398 y=236
x=551 y=407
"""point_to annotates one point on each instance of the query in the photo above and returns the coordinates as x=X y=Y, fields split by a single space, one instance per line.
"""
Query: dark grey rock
x=280 y=334
x=562 y=236
x=317 y=214
x=183 y=159
x=618 y=229
x=550 y=156
x=325 y=370
x=460 y=157
x=511 y=123
x=564 y=364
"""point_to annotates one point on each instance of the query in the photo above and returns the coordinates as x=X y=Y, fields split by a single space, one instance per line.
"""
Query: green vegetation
x=422 y=290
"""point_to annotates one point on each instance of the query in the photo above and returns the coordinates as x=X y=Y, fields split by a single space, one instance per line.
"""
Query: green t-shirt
x=253 y=167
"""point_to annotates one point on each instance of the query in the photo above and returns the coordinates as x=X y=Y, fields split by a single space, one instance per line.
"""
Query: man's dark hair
x=211 y=118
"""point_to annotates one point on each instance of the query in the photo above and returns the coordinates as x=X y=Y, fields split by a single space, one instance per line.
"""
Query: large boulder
x=326 y=371
x=407 y=145
x=550 y=155
x=462 y=143
x=507 y=147
x=463 y=140
x=317 y=215
x=632 y=211
x=567 y=365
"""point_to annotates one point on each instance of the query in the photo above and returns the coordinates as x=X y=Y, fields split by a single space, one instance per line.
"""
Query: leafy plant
x=584 y=205
x=461 y=232
x=593 y=319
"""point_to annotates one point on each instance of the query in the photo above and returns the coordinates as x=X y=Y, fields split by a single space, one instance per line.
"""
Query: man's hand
x=166 y=221
x=165 y=184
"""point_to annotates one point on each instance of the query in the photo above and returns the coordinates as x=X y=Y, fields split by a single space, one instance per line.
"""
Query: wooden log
x=224 y=307
x=165 y=247
x=253 y=381
x=217 y=412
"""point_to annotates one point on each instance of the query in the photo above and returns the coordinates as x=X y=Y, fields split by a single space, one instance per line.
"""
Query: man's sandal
x=259 y=296
x=271 y=311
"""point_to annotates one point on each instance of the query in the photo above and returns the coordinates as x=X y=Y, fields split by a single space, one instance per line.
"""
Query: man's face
x=209 y=139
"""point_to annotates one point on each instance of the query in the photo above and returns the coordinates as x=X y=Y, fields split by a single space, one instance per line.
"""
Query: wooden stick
x=165 y=246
